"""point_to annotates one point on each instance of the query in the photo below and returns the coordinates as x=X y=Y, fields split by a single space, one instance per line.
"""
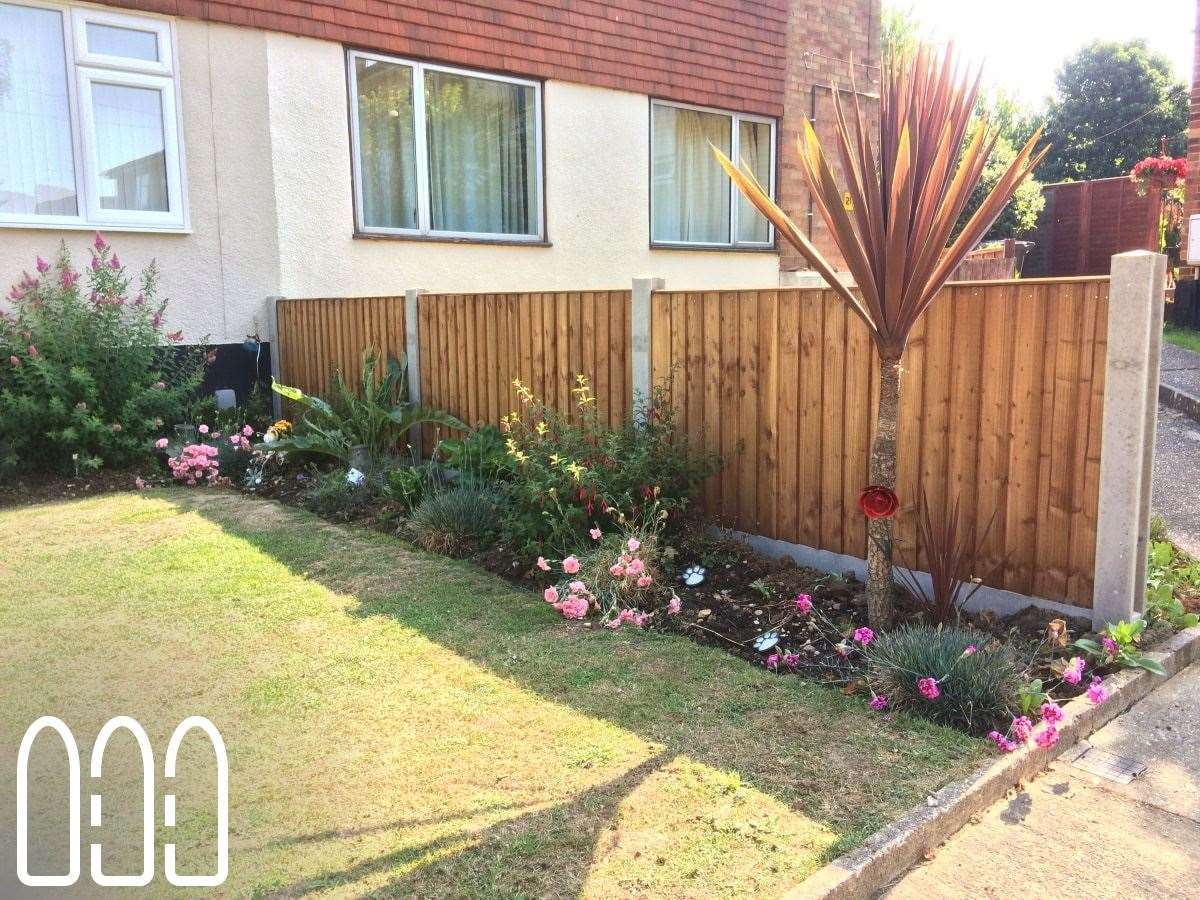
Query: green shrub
x=456 y=520
x=977 y=690
x=87 y=376
x=333 y=497
x=481 y=453
x=375 y=413
x=408 y=485
x=563 y=477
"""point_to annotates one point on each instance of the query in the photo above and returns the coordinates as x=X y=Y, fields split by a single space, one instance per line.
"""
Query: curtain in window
x=386 y=144
x=754 y=149
x=37 y=165
x=690 y=192
x=130 y=150
x=482 y=163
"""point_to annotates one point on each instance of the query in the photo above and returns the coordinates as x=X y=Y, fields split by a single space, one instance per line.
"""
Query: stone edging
x=1178 y=398
x=892 y=850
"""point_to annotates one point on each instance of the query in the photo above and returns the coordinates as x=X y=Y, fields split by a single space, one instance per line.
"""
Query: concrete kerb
x=1178 y=398
x=892 y=850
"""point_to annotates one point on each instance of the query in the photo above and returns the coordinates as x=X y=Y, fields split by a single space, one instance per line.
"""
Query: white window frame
x=424 y=226
x=83 y=68
x=735 y=120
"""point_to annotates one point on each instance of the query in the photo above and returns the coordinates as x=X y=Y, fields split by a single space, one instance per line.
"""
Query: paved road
x=1072 y=834
x=1177 y=477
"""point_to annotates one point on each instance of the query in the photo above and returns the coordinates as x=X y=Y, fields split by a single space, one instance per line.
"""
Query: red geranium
x=878 y=502
x=1161 y=170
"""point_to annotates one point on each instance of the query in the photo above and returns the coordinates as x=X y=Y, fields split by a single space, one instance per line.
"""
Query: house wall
x=597 y=146
x=1193 y=152
x=218 y=275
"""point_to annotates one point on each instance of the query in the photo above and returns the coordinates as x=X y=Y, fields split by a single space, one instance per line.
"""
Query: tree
x=1114 y=102
x=892 y=220
x=1020 y=216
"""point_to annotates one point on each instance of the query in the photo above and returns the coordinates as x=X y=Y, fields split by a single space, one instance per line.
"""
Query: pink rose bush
x=196 y=464
x=616 y=579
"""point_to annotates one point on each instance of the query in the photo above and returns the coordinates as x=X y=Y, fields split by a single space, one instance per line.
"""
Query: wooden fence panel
x=1002 y=401
x=320 y=336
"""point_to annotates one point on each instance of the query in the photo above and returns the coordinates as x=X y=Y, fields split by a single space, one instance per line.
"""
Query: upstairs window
x=444 y=152
x=89 y=120
x=692 y=200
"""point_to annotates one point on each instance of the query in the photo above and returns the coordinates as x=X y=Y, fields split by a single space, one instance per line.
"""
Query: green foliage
x=900 y=30
x=1169 y=573
x=375 y=414
x=1114 y=101
x=1126 y=636
x=86 y=377
x=977 y=690
x=456 y=520
x=408 y=485
x=480 y=453
x=333 y=497
x=1030 y=697
x=564 y=477
x=1020 y=216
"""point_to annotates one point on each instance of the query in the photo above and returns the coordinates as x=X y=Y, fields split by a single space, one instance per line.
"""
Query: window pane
x=482 y=162
x=129 y=147
x=755 y=151
x=112 y=40
x=690 y=191
x=386 y=144
x=37 y=165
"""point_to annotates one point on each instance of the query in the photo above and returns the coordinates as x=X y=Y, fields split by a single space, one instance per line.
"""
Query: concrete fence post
x=1135 y=312
x=643 y=290
x=412 y=356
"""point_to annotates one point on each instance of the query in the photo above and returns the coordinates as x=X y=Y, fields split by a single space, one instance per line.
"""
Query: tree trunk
x=883 y=473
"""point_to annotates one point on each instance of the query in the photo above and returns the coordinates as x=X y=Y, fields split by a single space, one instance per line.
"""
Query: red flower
x=878 y=502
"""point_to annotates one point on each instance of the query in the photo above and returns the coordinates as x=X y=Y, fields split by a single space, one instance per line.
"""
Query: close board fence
x=1003 y=400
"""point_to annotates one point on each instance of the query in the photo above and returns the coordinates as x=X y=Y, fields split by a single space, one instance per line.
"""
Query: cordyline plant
x=892 y=221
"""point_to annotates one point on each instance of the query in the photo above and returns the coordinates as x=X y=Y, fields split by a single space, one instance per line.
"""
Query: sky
x=1023 y=42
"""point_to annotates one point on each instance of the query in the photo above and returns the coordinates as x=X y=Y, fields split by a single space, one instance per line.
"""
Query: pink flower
x=203 y=429
x=570 y=565
x=32 y=351
x=42 y=265
x=1021 y=728
x=773 y=661
x=929 y=688
x=674 y=606
x=1110 y=646
x=95 y=264
x=161 y=443
x=804 y=604
x=139 y=483
x=970 y=650
x=99 y=243
x=573 y=607
x=616 y=570
x=542 y=564
x=1047 y=737
x=1052 y=712
x=551 y=594
x=635 y=567
x=1003 y=744
x=247 y=430
x=878 y=703
x=1073 y=673
x=864 y=635
x=577 y=587
x=644 y=581
x=791 y=660
x=69 y=278
x=633 y=544
x=1097 y=693
x=627 y=615
x=596 y=534
x=14 y=362
x=114 y=263
x=175 y=336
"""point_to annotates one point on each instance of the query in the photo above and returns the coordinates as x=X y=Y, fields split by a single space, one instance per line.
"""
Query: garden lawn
x=405 y=725
x=1182 y=337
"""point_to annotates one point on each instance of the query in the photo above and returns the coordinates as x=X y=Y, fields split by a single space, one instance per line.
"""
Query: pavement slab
x=1072 y=834
x=1180 y=368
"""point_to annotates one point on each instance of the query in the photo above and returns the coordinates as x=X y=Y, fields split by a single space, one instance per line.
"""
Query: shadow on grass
x=811 y=748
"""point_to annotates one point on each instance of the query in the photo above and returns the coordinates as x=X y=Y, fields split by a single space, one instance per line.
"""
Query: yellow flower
x=555 y=459
x=541 y=428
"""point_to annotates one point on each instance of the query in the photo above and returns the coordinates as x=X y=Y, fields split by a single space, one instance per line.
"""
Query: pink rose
x=633 y=545
x=635 y=567
x=203 y=429
x=573 y=607
x=542 y=564
x=929 y=688
x=616 y=570
x=596 y=534
x=804 y=604
x=674 y=607
x=247 y=430
x=644 y=581
x=551 y=594
x=570 y=565
x=161 y=443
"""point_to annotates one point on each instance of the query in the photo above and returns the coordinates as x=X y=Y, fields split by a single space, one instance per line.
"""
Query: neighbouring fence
x=1085 y=222
x=1003 y=401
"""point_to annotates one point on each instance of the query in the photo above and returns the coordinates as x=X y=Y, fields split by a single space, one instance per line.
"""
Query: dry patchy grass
x=404 y=725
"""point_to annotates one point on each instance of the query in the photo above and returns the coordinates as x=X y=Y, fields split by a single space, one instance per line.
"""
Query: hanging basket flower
x=1162 y=172
x=878 y=502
